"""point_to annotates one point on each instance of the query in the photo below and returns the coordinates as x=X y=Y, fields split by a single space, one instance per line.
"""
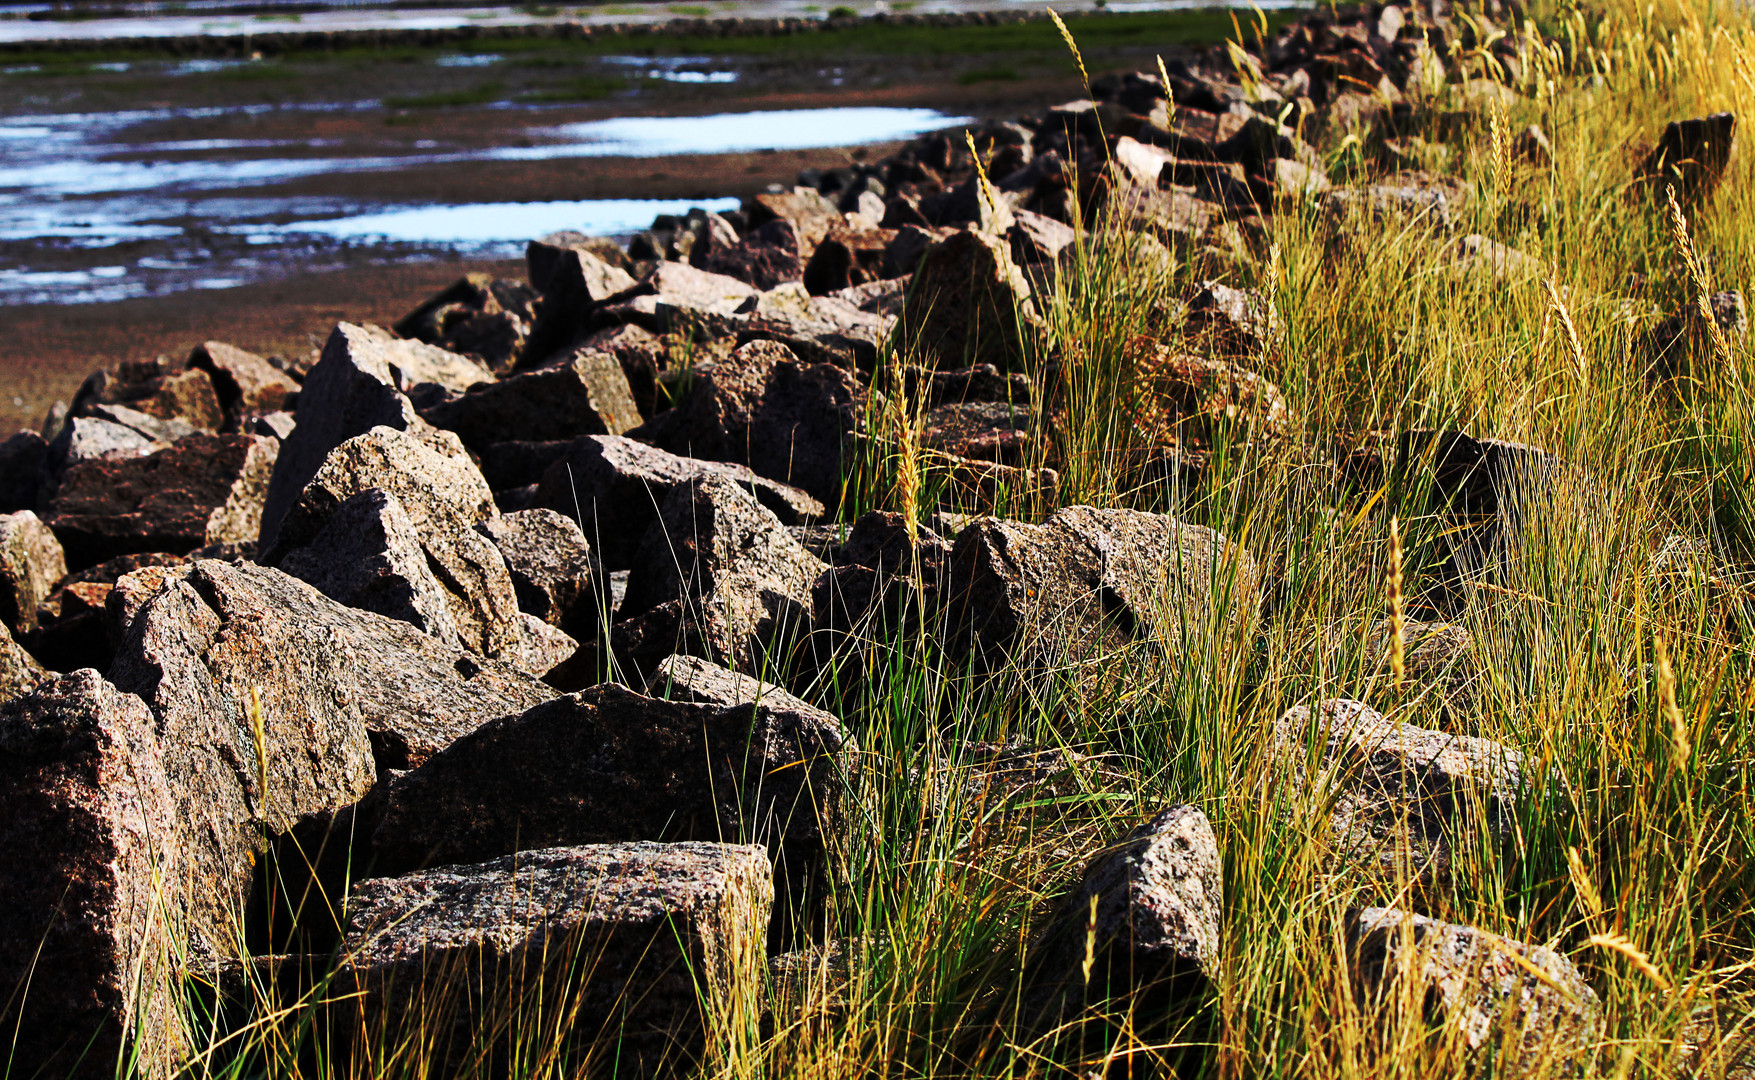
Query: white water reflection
x=729 y=133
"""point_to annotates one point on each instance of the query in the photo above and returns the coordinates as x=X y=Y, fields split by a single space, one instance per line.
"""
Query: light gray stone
x=31 y=565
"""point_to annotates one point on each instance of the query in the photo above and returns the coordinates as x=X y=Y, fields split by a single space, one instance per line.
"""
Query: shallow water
x=162 y=215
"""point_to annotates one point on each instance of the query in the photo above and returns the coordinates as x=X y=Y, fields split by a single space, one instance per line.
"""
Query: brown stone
x=970 y=303
x=585 y=394
x=206 y=489
x=1691 y=156
x=156 y=388
x=247 y=384
x=31 y=565
x=94 y=881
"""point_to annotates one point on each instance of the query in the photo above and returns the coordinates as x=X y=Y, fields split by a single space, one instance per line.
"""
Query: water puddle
x=490 y=229
x=729 y=133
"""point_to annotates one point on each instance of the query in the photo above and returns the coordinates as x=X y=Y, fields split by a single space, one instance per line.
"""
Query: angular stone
x=204 y=634
x=247 y=385
x=969 y=303
x=351 y=391
x=742 y=581
x=552 y=568
x=607 y=765
x=157 y=389
x=1088 y=582
x=19 y=670
x=163 y=431
x=679 y=285
x=74 y=627
x=811 y=216
x=439 y=486
x=206 y=489
x=786 y=420
x=86 y=438
x=475 y=316
x=1233 y=322
x=638 y=945
x=1523 y=1006
x=587 y=394
x=1149 y=909
x=1405 y=798
x=1205 y=401
x=94 y=880
x=764 y=258
x=574 y=282
x=24 y=472
x=979 y=431
x=1691 y=156
x=31 y=565
x=484 y=603
x=982 y=382
x=369 y=556
x=545 y=647
x=613 y=485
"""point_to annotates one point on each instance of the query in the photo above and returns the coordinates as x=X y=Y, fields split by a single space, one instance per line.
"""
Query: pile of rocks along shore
x=468 y=614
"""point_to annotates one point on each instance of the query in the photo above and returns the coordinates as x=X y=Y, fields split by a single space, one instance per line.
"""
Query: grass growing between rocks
x=1626 y=684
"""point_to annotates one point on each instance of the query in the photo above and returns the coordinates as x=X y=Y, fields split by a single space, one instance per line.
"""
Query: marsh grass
x=1628 y=687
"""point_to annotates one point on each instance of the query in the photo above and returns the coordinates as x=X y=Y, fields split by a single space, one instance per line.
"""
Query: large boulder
x=1691 y=156
x=350 y=391
x=614 y=485
x=156 y=388
x=31 y=565
x=1147 y=914
x=206 y=489
x=721 y=577
x=19 y=670
x=341 y=695
x=970 y=303
x=586 y=394
x=1405 y=799
x=94 y=877
x=608 y=765
x=1088 y=582
x=638 y=945
x=24 y=472
x=1522 y=1007
x=1203 y=401
x=788 y=421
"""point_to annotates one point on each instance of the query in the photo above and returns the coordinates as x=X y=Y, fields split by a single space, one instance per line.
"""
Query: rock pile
x=484 y=602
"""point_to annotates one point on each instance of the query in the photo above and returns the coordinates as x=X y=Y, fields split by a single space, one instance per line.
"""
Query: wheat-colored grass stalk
x=1696 y=267
x=1169 y=96
x=1073 y=46
x=1398 y=611
x=1681 y=741
x=1641 y=961
x=1580 y=365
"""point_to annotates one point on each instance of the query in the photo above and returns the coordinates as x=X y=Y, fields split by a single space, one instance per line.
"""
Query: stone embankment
x=460 y=624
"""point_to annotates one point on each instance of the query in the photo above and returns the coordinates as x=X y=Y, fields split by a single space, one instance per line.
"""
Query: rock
x=614 y=486
x=1088 y=582
x=160 y=431
x=545 y=647
x=93 y=884
x=478 y=586
x=643 y=355
x=196 y=643
x=369 y=556
x=1682 y=344
x=19 y=670
x=1405 y=798
x=24 y=472
x=439 y=486
x=982 y=382
x=157 y=389
x=1439 y=656
x=727 y=567
x=811 y=216
x=587 y=394
x=1037 y=239
x=476 y=316
x=1232 y=322
x=764 y=258
x=74 y=627
x=206 y=489
x=351 y=391
x=1691 y=156
x=276 y=425
x=640 y=946
x=1150 y=906
x=680 y=286
x=1522 y=1006
x=246 y=384
x=786 y=420
x=1379 y=204
x=87 y=438
x=970 y=303
x=552 y=568
x=574 y=283
x=31 y=565
x=978 y=431
x=607 y=765
x=1205 y=401
x=1533 y=147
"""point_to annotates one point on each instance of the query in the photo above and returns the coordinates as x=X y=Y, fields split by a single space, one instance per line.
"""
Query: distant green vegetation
x=479 y=94
x=584 y=88
x=987 y=74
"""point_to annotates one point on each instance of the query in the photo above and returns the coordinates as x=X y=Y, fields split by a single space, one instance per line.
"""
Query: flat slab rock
x=1524 y=1005
x=661 y=929
x=1404 y=796
x=609 y=765
x=613 y=486
x=93 y=879
x=205 y=489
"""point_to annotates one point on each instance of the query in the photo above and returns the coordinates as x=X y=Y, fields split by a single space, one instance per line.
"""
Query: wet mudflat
x=130 y=175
